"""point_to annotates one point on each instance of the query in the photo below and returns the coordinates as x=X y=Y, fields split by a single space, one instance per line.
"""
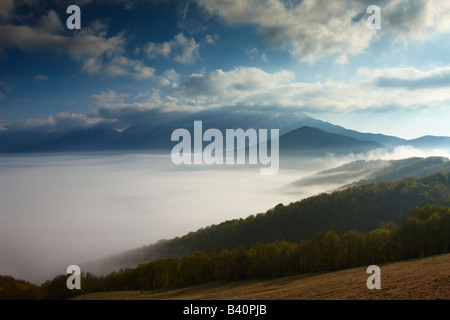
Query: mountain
x=426 y=142
x=309 y=140
x=430 y=142
x=142 y=136
x=331 y=128
x=156 y=135
x=363 y=172
x=407 y=168
x=360 y=208
x=89 y=139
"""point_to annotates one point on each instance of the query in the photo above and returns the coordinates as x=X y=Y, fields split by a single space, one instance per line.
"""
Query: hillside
x=360 y=208
x=300 y=131
x=313 y=141
x=145 y=135
x=15 y=289
x=374 y=171
x=424 y=234
x=413 y=167
x=418 y=279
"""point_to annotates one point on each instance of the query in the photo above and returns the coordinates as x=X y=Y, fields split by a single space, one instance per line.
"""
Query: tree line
x=425 y=233
x=362 y=208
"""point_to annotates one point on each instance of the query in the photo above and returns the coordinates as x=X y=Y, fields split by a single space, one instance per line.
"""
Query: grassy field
x=420 y=279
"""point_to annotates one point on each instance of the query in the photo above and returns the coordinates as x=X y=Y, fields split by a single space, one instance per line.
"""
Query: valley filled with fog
x=64 y=209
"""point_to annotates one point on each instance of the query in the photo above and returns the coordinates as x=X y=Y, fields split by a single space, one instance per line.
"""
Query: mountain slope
x=149 y=135
x=328 y=127
x=142 y=136
x=311 y=140
x=363 y=172
x=430 y=142
x=430 y=276
x=362 y=208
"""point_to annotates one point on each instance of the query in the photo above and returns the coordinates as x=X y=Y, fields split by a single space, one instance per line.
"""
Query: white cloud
x=313 y=29
x=51 y=23
x=209 y=39
x=253 y=88
x=169 y=78
x=408 y=78
x=60 y=121
x=77 y=47
x=119 y=66
x=41 y=77
x=249 y=87
x=341 y=60
x=406 y=19
x=310 y=29
x=99 y=54
x=110 y=98
x=180 y=49
x=114 y=105
x=234 y=83
x=254 y=54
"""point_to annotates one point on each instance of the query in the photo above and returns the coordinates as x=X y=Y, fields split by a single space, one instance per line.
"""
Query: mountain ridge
x=157 y=136
x=362 y=208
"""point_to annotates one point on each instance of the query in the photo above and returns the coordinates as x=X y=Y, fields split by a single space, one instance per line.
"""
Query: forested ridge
x=399 y=234
x=425 y=233
x=14 y=289
x=411 y=167
x=360 y=208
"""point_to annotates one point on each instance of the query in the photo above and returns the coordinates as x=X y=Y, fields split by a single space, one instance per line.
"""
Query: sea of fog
x=59 y=210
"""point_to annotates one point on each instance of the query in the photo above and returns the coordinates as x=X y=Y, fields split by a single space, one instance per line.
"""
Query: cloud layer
x=98 y=53
x=180 y=49
x=246 y=88
x=313 y=29
x=376 y=90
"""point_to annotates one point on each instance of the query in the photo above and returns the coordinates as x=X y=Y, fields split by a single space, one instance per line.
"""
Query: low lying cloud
x=245 y=88
x=240 y=81
x=60 y=121
x=120 y=110
x=377 y=90
x=409 y=78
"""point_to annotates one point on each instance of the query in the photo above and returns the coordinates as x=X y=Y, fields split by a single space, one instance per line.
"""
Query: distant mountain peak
x=297 y=130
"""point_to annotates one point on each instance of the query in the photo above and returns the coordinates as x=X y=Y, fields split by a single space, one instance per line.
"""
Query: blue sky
x=137 y=59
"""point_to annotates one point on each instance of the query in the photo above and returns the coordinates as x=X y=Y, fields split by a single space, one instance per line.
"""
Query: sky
x=138 y=59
